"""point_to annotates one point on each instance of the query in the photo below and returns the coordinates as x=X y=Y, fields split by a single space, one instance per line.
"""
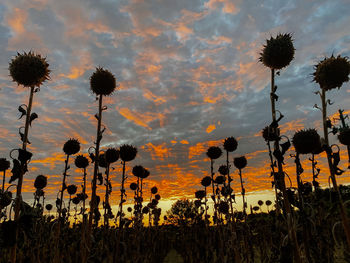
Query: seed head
x=81 y=161
x=344 y=136
x=72 y=189
x=206 y=181
x=29 y=69
x=40 y=182
x=127 y=152
x=4 y=164
x=278 y=52
x=72 y=146
x=240 y=162
x=102 y=82
x=230 y=144
x=331 y=73
x=214 y=152
x=306 y=141
x=112 y=155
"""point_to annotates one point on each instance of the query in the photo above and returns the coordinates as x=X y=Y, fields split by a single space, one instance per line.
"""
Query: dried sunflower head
x=127 y=152
x=29 y=69
x=81 y=161
x=332 y=72
x=214 y=152
x=278 y=52
x=306 y=141
x=4 y=164
x=40 y=182
x=102 y=82
x=230 y=144
x=344 y=136
x=72 y=146
x=240 y=162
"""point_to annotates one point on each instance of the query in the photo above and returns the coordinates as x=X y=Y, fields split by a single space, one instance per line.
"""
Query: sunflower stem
x=122 y=193
x=23 y=164
x=281 y=175
x=343 y=214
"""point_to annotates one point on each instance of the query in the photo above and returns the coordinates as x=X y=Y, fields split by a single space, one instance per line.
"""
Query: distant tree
x=182 y=212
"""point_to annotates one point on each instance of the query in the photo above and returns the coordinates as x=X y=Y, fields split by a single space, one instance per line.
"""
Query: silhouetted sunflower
x=4 y=164
x=72 y=146
x=331 y=73
x=40 y=182
x=127 y=152
x=102 y=160
x=306 y=141
x=76 y=200
x=269 y=134
x=200 y=194
x=344 y=136
x=112 y=155
x=48 y=207
x=5 y=199
x=81 y=161
x=230 y=144
x=240 y=162
x=278 y=52
x=72 y=189
x=138 y=171
x=154 y=190
x=157 y=197
x=219 y=179
x=223 y=169
x=29 y=69
x=206 y=181
x=214 y=152
x=145 y=174
x=133 y=186
x=102 y=82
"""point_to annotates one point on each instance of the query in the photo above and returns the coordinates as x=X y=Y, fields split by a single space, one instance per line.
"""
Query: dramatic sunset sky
x=188 y=75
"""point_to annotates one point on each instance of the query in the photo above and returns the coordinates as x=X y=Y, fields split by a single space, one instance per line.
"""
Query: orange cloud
x=210 y=128
x=142 y=119
x=158 y=152
x=17 y=20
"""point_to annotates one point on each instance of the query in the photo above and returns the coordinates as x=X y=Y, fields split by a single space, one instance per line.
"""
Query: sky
x=188 y=76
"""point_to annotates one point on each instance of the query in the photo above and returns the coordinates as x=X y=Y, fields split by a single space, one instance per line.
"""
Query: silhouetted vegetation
x=305 y=223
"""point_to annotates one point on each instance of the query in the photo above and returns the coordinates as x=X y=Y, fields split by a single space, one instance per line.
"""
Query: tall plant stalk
x=97 y=154
x=122 y=194
x=22 y=171
x=281 y=175
x=343 y=214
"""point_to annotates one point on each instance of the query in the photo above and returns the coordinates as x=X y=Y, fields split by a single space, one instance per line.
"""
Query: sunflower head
x=29 y=69
x=112 y=155
x=306 y=141
x=214 y=152
x=81 y=161
x=127 y=152
x=154 y=190
x=344 y=136
x=230 y=144
x=72 y=146
x=4 y=164
x=278 y=51
x=40 y=182
x=223 y=169
x=270 y=134
x=102 y=82
x=72 y=189
x=200 y=194
x=206 y=181
x=332 y=72
x=240 y=162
